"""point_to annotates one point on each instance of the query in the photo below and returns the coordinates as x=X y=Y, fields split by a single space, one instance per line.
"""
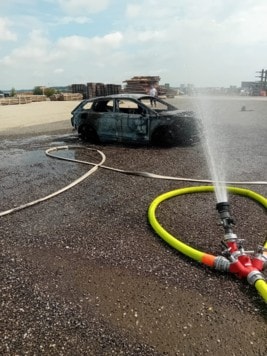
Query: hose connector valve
x=222 y=264
x=226 y=220
x=254 y=276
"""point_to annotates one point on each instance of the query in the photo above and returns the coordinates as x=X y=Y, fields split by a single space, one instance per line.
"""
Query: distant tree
x=44 y=91
x=49 y=92
x=38 y=91
x=13 y=92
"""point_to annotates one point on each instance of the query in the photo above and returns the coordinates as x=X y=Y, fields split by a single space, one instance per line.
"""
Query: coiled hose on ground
x=185 y=249
x=95 y=166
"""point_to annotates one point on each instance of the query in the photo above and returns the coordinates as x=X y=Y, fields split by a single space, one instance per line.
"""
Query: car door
x=108 y=123
x=132 y=121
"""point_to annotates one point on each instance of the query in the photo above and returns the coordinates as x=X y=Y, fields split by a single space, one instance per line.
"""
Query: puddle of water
x=38 y=141
x=17 y=157
x=31 y=150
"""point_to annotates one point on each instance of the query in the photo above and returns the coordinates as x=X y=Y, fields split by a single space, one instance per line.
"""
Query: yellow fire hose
x=205 y=258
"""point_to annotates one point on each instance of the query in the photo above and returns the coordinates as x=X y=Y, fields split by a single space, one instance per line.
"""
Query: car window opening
x=100 y=106
x=129 y=107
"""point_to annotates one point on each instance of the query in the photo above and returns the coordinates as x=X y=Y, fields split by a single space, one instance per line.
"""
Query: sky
x=208 y=43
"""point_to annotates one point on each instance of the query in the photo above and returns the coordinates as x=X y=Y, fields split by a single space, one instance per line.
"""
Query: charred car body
x=134 y=118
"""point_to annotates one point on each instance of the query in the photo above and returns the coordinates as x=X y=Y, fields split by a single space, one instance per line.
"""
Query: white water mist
x=211 y=138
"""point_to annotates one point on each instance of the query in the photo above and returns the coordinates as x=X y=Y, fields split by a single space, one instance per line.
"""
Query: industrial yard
x=84 y=273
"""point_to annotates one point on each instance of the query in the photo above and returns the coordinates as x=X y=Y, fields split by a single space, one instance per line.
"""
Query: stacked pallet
x=22 y=99
x=54 y=97
x=79 y=88
x=71 y=96
x=32 y=98
x=100 y=89
x=95 y=89
x=67 y=97
x=38 y=98
x=113 y=89
x=91 y=90
x=141 y=84
x=9 y=101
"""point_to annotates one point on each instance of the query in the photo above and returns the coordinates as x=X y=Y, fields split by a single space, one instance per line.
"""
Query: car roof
x=120 y=96
x=134 y=96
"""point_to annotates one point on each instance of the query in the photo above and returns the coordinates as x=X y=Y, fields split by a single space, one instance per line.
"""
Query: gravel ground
x=85 y=274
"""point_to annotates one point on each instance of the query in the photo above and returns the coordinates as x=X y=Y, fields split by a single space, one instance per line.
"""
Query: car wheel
x=88 y=133
x=164 y=136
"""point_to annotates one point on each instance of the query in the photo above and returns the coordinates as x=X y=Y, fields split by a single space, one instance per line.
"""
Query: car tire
x=88 y=133
x=164 y=136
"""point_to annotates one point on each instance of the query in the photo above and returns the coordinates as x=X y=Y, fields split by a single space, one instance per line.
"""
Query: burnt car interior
x=125 y=106
x=128 y=106
x=101 y=106
x=161 y=105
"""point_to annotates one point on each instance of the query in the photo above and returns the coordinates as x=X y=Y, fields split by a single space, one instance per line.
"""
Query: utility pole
x=263 y=79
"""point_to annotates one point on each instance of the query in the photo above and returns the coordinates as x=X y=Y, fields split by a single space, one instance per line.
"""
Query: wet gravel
x=85 y=274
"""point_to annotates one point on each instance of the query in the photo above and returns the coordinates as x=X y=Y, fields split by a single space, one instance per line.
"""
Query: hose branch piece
x=235 y=259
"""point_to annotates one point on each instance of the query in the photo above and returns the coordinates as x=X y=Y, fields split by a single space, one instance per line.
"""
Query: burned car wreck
x=134 y=118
